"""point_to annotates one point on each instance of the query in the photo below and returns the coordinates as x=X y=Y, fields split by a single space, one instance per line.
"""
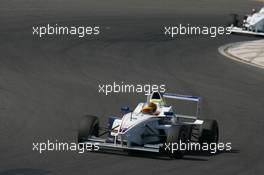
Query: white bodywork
x=142 y=130
x=253 y=24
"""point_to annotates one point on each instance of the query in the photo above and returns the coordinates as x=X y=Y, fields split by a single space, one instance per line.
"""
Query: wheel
x=235 y=21
x=176 y=135
x=209 y=132
x=89 y=126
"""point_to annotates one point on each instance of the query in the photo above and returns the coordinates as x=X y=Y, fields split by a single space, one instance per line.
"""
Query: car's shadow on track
x=22 y=171
x=190 y=156
x=248 y=35
x=208 y=154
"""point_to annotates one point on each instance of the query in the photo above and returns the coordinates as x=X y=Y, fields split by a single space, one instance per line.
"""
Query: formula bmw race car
x=249 y=24
x=150 y=127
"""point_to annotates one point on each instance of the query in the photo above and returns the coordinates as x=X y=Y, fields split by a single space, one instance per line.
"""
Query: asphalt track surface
x=47 y=84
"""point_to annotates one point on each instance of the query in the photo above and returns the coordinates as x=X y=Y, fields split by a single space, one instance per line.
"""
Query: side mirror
x=168 y=113
x=125 y=109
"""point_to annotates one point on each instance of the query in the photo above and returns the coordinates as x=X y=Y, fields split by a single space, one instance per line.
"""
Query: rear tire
x=209 y=132
x=89 y=126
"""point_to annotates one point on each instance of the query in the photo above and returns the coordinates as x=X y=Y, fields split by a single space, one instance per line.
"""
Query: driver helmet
x=150 y=108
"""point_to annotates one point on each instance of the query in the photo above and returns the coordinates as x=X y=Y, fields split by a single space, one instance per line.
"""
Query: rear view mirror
x=125 y=109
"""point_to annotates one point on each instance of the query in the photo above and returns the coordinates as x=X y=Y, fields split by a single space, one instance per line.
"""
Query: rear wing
x=195 y=99
x=182 y=97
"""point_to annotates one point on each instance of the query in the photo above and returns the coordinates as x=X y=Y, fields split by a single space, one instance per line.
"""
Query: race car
x=150 y=127
x=249 y=24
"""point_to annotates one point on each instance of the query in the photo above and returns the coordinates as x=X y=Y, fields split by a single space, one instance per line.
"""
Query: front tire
x=176 y=135
x=89 y=126
x=209 y=132
x=234 y=21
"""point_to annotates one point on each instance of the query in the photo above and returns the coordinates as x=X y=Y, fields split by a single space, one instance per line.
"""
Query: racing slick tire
x=235 y=21
x=89 y=126
x=175 y=136
x=209 y=132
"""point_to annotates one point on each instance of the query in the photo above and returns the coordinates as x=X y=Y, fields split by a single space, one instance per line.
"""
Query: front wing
x=242 y=31
x=103 y=145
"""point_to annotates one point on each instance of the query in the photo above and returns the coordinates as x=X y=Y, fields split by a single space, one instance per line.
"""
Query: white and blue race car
x=150 y=127
x=250 y=24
